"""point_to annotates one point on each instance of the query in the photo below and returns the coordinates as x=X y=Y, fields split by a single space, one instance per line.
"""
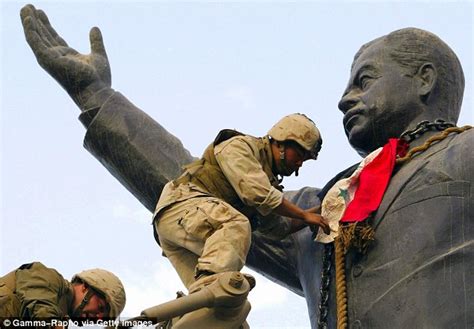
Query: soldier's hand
x=314 y=219
x=80 y=75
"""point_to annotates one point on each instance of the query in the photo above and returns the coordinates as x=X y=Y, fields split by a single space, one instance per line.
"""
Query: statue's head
x=396 y=81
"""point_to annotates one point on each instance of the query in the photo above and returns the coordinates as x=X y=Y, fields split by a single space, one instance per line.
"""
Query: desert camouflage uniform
x=204 y=217
x=34 y=291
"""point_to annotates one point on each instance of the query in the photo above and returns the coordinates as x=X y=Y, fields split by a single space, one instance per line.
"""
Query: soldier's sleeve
x=39 y=289
x=240 y=164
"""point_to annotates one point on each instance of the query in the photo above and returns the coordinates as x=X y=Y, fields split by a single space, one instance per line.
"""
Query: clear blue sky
x=196 y=67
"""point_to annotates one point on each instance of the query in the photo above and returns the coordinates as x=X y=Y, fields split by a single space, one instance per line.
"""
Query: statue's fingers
x=27 y=11
x=36 y=43
x=97 y=43
x=44 y=33
x=55 y=39
x=31 y=24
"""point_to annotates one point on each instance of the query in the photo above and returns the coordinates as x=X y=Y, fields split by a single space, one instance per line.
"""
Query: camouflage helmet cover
x=109 y=285
x=299 y=128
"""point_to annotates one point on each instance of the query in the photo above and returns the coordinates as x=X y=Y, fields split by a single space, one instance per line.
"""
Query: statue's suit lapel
x=402 y=177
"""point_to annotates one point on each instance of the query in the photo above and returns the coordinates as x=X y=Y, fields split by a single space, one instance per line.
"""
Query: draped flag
x=353 y=199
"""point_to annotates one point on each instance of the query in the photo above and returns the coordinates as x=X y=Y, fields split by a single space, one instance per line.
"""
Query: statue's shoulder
x=463 y=144
x=459 y=153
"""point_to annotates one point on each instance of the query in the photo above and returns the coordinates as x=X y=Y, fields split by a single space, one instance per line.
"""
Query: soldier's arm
x=253 y=186
x=41 y=290
x=238 y=160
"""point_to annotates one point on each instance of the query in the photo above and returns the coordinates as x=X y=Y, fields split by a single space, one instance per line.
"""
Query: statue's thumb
x=97 y=44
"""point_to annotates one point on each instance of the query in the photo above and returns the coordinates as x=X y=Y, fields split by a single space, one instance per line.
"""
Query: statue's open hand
x=81 y=75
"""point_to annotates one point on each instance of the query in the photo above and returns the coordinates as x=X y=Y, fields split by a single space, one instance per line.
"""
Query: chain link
x=325 y=283
x=433 y=139
x=424 y=126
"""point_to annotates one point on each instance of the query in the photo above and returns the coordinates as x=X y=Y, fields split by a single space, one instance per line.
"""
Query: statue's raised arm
x=141 y=154
x=82 y=76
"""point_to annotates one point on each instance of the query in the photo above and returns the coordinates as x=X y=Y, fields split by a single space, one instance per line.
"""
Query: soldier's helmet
x=299 y=128
x=107 y=284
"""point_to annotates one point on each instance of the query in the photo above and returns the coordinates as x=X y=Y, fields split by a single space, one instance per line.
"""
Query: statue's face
x=379 y=102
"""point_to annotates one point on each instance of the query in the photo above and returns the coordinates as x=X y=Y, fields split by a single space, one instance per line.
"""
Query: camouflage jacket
x=34 y=291
x=237 y=170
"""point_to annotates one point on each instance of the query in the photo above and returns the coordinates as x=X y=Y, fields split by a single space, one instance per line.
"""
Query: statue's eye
x=365 y=81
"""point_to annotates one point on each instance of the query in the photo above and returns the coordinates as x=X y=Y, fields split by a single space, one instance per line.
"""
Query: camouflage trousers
x=203 y=234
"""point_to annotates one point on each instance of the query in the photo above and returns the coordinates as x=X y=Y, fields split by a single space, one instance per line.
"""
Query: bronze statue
x=418 y=271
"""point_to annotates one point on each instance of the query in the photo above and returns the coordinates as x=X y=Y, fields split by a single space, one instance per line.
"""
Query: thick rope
x=432 y=140
x=341 y=296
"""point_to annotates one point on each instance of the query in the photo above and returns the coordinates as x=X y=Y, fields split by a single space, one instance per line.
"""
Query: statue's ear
x=426 y=80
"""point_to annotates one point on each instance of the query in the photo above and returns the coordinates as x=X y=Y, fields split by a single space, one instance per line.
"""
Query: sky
x=196 y=67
